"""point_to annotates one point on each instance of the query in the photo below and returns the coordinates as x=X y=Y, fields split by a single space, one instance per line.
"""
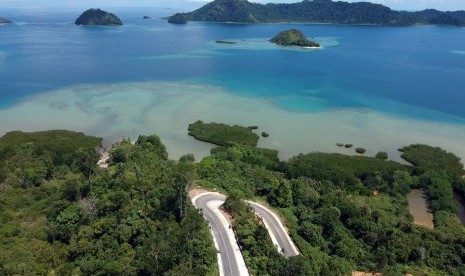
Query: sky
x=187 y=5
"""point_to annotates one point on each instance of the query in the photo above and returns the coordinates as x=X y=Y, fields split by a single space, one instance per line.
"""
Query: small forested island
x=219 y=41
x=293 y=37
x=178 y=18
x=319 y=11
x=222 y=134
x=146 y=17
x=5 y=21
x=98 y=17
x=62 y=214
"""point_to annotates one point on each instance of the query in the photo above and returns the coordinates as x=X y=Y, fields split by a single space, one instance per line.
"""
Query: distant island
x=146 y=17
x=293 y=37
x=318 y=11
x=219 y=41
x=4 y=21
x=178 y=18
x=98 y=17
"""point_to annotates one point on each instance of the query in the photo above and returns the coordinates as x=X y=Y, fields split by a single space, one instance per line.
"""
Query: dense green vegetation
x=360 y=150
x=382 y=155
x=62 y=215
x=4 y=20
x=440 y=173
x=178 y=18
x=223 y=135
x=319 y=11
x=293 y=37
x=357 y=173
x=98 y=17
x=260 y=255
x=334 y=215
x=426 y=158
x=130 y=219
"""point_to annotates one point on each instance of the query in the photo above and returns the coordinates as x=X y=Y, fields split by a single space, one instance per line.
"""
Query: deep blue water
x=416 y=71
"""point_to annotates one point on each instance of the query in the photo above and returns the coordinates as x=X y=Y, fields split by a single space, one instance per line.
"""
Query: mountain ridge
x=320 y=11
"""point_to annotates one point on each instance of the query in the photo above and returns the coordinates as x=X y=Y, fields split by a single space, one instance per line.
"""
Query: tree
x=152 y=143
x=282 y=196
x=85 y=161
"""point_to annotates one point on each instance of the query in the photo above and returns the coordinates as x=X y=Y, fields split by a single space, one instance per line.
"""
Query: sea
x=376 y=87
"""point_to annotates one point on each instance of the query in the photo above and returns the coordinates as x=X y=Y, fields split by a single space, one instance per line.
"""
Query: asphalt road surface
x=276 y=229
x=232 y=262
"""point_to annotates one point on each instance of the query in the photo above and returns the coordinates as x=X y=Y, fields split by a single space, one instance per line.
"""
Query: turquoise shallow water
x=358 y=67
x=374 y=86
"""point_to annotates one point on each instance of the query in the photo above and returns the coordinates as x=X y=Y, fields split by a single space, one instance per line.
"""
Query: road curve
x=230 y=260
x=276 y=230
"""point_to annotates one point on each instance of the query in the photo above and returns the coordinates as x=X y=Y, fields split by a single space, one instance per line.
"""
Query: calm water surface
x=402 y=72
x=418 y=208
x=390 y=69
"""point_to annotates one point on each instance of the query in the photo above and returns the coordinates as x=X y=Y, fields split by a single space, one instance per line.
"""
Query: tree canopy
x=319 y=11
x=293 y=37
x=61 y=214
x=98 y=17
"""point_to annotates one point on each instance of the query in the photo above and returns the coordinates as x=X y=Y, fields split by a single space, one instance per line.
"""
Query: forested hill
x=319 y=11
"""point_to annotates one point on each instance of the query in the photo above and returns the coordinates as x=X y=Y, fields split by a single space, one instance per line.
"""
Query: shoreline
x=122 y=110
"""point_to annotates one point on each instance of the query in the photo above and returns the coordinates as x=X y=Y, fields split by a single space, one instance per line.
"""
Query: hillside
x=4 y=21
x=98 y=17
x=293 y=37
x=319 y=11
x=61 y=214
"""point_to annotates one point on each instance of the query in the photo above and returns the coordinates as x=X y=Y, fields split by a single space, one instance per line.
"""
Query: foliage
x=336 y=220
x=319 y=11
x=293 y=37
x=152 y=143
x=346 y=171
x=222 y=135
x=260 y=254
x=440 y=192
x=382 y=155
x=98 y=17
x=60 y=144
x=61 y=214
x=425 y=157
x=130 y=219
x=178 y=18
x=360 y=150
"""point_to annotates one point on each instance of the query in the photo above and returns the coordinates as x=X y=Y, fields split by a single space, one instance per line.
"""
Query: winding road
x=276 y=230
x=230 y=260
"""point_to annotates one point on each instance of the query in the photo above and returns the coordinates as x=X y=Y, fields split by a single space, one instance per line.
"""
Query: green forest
x=97 y=17
x=293 y=37
x=319 y=11
x=61 y=214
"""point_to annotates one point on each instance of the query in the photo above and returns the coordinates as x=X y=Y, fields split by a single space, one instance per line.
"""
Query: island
x=219 y=41
x=5 y=21
x=294 y=37
x=222 y=134
x=178 y=18
x=319 y=11
x=98 y=17
x=146 y=17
